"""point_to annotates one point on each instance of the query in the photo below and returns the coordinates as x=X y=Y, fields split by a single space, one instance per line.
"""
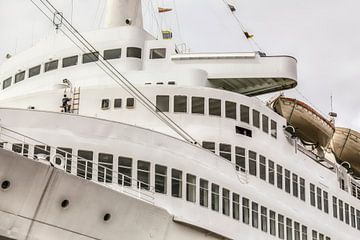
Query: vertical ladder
x=76 y=101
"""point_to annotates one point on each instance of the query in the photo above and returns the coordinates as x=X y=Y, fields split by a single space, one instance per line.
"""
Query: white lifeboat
x=310 y=126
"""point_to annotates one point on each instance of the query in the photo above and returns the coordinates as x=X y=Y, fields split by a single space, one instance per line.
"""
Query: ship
x=117 y=134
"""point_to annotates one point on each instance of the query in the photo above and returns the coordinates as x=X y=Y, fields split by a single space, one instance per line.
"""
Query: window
x=20 y=148
x=303 y=232
x=319 y=198
x=358 y=219
x=6 y=83
x=198 y=105
x=209 y=146
x=271 y=172
x=52 y=65
x=117 y=103
x=326 y=202
x=314 y=235
x=256 y=118
x=112 y=54
x=19 y=76
x=66 y=153
x=125 y=171
x=252 y=163
x=263 y=219
x=190 y=188
x=262 y=167
x=335 y=209
x=279 y=176
x=143 y=174
x=204 y=193
x=130 y=102
x=176 y=183
x=289 y=234
x=180 y=104
x=236 y=206
x=341 y=210
x=157 y=53
x=215 y=195
x=255 y=214
x=243 y=131
x=321 y=236
x=265 y=123
x=70 y=61
x=214 y=107
x=105 y=167
x=133 y=52
x=226 y=202
x=281 y=229
x=244 y=114
x=230 y=110
x=225 y=151
x=272 y=223
x=273 y=126
x=160 y=179
x=312 y=194
x=302 y=189
x=42 y=150
x=162 y=103
x=296 y=231
x=347 y=215
x=34 y=71
x=353 y=219
x=287 y=181
x=295 y=185
x=84 y=164
x=246 y=210
x=105 y=104
x=240 y=158
x=90 y=57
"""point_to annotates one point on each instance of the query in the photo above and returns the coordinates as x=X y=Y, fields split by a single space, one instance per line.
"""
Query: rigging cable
x=111 y=71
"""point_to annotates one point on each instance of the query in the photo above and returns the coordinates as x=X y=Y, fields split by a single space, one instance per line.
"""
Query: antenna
x=332 y=114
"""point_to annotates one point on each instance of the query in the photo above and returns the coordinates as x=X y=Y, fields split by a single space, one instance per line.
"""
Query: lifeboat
x=310 y=126
x=345 y=145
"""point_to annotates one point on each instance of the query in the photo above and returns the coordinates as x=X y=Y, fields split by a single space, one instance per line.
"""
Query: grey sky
x=324 y=35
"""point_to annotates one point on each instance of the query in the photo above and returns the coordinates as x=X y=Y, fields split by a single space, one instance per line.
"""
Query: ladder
x=76 y=101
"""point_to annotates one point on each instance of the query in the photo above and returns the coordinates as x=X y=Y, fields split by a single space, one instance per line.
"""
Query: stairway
x=76 y=101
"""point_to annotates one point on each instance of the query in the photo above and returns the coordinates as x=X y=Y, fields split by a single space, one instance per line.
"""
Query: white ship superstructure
x=160 y=143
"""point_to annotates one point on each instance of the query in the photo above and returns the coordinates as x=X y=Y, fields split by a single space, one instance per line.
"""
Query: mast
x=123 y=13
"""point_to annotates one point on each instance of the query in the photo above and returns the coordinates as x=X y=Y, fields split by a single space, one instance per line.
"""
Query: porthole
x=5 y=184
x=65 y=203
x=107 y=217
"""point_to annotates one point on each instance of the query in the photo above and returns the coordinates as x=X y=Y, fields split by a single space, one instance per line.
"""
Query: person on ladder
x=66 y=103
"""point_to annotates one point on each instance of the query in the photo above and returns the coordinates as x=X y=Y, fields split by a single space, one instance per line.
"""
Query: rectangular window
x=226 y=202
x=262 y=168
x=289 y=233
x=287 y=181
x=312 y=195
x=335 y=209
x=34 y=71
x=190 y=188
x=314 y=235
x=255 y=214
x=215 y=195
x=209 y=146
x=256 y=118
x=19 y=76
x=240 y=158
x=105 y=167
x=341 y=210
x=162 y=103
x=273 y=126
x=112 y=54
x=296 y=231
x=326 y=201
x=265 y=123
x=243 y=131
x=214 y=107
x=52 y=65
x=176 y=183
x=84 y=164
x=319 y=198
x=358 y=219
x=252 y=163
x=66 y=153
x=321 y=236
x=347 y=213
x=303 y=232
x=130 y=102
x=353 y=218
x=125 y=171
x=279 y=176
x=263 y=219
x=244 y=113
x=157 y=53
x=204 y=193
x=198 y=105
x=236 y=206
x=271 y=172
x=281 y=227
x=230 y=109
x=225 y=151
x=6 y=83
x=272 y=223
x=41 y=151
x=22 y=149
x=246 y=211
x=180 y=104
x=133 y=52
x=295 y=185
x=160 y=179
x=105 y=104
x=90 y=57
x=143 y=175
x=302 y=189
x=70 y=61
x=117 y=103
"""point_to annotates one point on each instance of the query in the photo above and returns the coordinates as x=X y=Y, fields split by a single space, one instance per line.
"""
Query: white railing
x=96 y=172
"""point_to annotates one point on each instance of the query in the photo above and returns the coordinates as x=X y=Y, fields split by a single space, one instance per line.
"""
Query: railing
x=322 y=161
x=87 y=169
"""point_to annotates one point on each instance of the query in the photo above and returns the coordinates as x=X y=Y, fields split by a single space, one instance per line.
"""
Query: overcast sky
x=324 y=36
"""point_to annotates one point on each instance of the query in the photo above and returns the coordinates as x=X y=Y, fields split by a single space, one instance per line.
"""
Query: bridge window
x=34 y=71
x=112 y=54
x=272 y=223
x=326 y=201
x=341 y=210
x=256 y=118
x=273 y=126
x=255 y=214
x=160 y=179
x=162 y=103
x=117 y=103
x=130 y=102
x=52 y=65
x=244 y=113
x=288 y=229
x=198 y=105
x=319 y=198
x=180 y=104
x=262 y=168
x=281 y=226
x=6 y=83
x=265 y=123
x=125 y=171
x=246 y=210
x=279 y=176
x=225 y=151
x=19 y=77
x=70 y=61
x=303 y=232
x=214 y=107
x=90 y=57
x=84 y=164
x=353 y=219
x=252 y=163
x=67 y=154
x=335 y=208
x=236 y=206
x=347 y=214
x=358 y=219
x=263 y=219
x=204 y=193
x=240 y=158
x=287 y=181
x=314 y=235
x=105 y=167
x=215 y=195
x=176 y=183
x=295 y=185
x=312 y=194
x=271 y=172
x=230 y=109
x=157 y=53
x=302 y=189
x=133 y=52
x=226 y=202
x=143 y=174
x=296 y=231
x=209 y=146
